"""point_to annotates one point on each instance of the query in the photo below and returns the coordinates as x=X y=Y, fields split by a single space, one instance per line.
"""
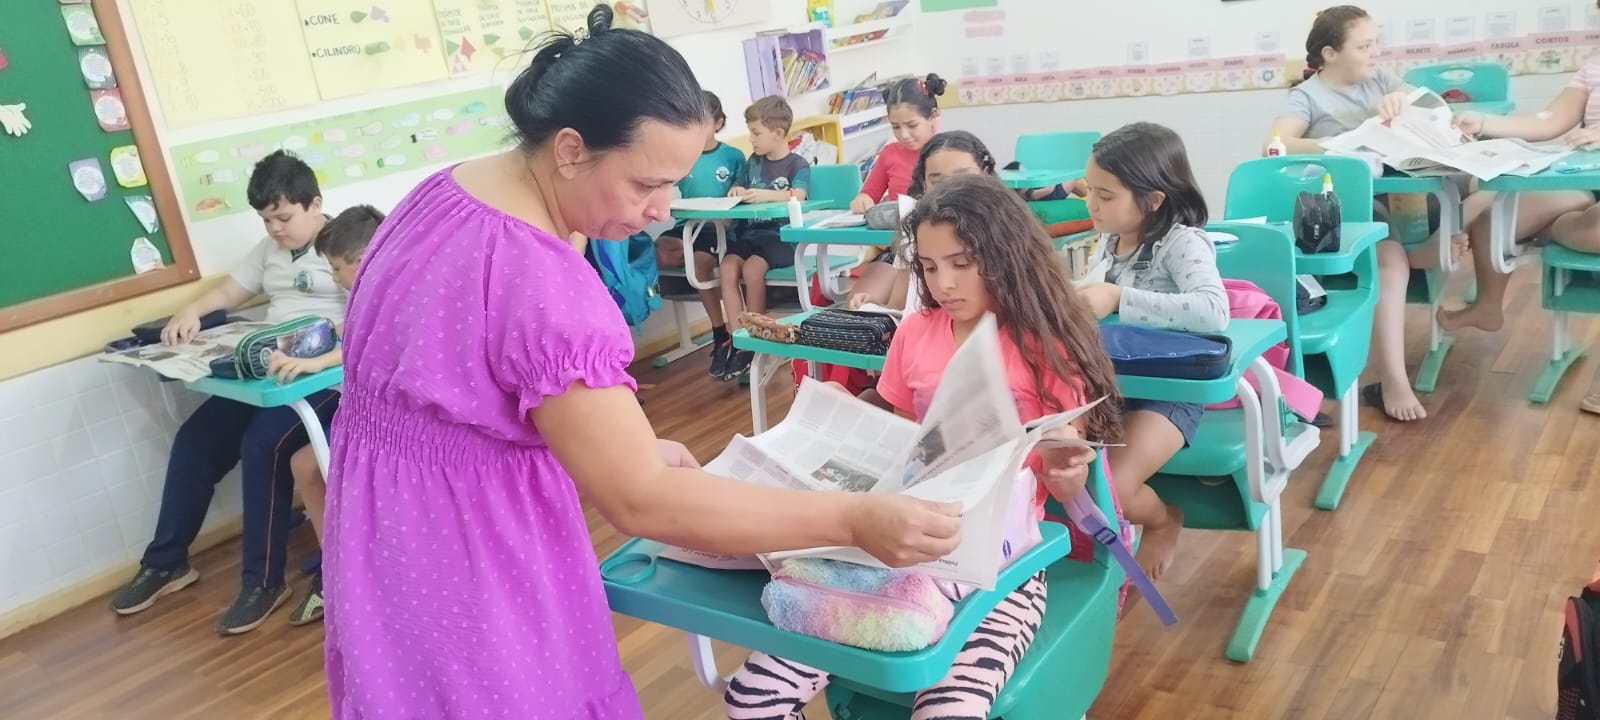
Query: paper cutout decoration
x=74 y=2
x=4 y=61
x=96 y=68
x=81 y=25
x=12 y=121
x=108 y=110
x=89 y=180
x=145 y=256
x=126 y=167
x=144 y=209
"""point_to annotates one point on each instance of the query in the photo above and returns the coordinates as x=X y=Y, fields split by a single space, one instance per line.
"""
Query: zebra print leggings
x=769 y=688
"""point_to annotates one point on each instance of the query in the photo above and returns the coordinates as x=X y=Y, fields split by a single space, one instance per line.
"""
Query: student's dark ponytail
x=921 y=93
x=1329 y=30
x=602 y=83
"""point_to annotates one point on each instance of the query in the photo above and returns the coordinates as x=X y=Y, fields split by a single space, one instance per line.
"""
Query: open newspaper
x=188 y=361
x=1423 y=140
x=968 y=449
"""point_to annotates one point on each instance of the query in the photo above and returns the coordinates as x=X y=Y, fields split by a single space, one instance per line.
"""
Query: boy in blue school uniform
x=297 y=282
x=720 y=166
x=770 y=175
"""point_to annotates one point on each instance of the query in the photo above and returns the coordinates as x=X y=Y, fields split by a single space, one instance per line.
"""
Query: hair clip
x=922 y=86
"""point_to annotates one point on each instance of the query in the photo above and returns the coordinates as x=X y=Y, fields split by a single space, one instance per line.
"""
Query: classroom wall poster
x=482 y=36
x=358 y=46
x=344 y=149
x=1005 y=79
x=672 y=18
x=570 y=15
x=217 y=59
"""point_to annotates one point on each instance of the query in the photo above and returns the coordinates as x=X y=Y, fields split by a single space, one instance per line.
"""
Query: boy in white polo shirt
x=222 y=433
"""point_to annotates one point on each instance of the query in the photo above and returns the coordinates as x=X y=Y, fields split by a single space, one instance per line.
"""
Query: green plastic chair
x=1569 y=283
x=1487 y=85
x=1065 y=150
x=1335 y=340
x=1264 y=255
x=838 y=185
x=1065 y=667
x=1059 y=676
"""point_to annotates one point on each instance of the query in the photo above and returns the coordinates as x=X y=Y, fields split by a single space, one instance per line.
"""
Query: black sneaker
x=739 y=364
x=310 y=608
x=251 y=608
x=150 y=584
x=721 y=353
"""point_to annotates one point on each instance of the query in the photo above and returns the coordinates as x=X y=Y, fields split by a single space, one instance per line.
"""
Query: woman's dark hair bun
x=935 y=84
x=600 y=19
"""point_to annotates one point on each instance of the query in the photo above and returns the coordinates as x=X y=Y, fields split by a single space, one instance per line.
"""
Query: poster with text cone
x=359 y=46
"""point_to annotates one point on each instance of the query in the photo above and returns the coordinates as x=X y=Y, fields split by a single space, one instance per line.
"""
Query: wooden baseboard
x=101 y=584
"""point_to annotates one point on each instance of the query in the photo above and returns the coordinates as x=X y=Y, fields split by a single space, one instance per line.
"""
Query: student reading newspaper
x=188 y=361
x=1423 y=140
x=970 y=449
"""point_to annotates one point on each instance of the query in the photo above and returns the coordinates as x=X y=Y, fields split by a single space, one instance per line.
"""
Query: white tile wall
x=83 y=449
x=83 y=445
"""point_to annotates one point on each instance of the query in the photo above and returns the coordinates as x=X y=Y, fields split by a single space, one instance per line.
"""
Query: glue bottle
x=795 y=216
x=1277 y=148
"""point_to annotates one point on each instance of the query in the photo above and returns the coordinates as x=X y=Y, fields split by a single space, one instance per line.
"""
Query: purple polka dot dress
x=461 y=581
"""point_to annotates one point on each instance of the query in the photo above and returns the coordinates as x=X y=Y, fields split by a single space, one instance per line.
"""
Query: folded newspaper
x=968 y=449
x=1423 y=140
x=188 y=361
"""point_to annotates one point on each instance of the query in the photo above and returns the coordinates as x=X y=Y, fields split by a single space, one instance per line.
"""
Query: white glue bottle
x=795 y=216
x=1277 y=148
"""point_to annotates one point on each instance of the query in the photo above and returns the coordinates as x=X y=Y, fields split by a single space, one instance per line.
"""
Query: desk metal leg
x=761 y=370
x=705 y=664
x=1562 y=353
x=1353 y=445
x=1503 y=232
x=1439 y=344
x=319 y=441
x=1270 y=456
x=687 y=343
x=802 y=285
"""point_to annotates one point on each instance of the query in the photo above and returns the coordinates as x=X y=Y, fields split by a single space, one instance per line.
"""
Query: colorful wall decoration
x=343 y=149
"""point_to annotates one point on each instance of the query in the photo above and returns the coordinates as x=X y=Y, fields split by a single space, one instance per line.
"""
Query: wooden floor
x=1433 y=592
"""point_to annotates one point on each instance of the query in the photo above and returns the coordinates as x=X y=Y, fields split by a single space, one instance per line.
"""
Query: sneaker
x=721 y=353
x=739 y=364
x=310 y=608
x=251 y=608
x=150 y=584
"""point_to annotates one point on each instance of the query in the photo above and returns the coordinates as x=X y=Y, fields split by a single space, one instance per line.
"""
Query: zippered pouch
x=865 y=607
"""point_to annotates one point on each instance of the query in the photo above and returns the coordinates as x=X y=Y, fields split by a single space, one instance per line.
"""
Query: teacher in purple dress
x=486 y=391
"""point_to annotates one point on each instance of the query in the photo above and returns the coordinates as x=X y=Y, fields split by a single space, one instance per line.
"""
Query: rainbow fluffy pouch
x=856 y=605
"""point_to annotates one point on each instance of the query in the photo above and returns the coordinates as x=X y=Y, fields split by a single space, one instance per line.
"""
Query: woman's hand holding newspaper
x=1066 y=469
x=1584 y=138
x=1393 y=104
x=900 y=530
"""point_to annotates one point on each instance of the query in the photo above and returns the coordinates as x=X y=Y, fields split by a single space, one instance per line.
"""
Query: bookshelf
x=787 y=63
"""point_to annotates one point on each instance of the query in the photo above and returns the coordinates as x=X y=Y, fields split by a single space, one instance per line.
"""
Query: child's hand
x=674 y=454
x=831 y=385
x=1469 y=123
x=1066 y=469
x=861 y=204
x=1391 y=105
x=736 y=191
x=285 y=368
x=857 y=300
x=750 y=195
x=1103 y=298
x=181 y=328
x=1584 y=138
x=1076 y=188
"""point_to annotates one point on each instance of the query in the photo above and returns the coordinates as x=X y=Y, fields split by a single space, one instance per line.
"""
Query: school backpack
x=1578 y=674
x=628 y=268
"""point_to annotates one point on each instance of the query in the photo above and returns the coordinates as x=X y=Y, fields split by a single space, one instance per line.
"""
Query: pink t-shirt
x=923 y=346
x=890 y=176
x=1588 y=80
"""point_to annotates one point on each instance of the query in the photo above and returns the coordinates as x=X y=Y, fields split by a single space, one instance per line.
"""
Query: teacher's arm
x=604 y=441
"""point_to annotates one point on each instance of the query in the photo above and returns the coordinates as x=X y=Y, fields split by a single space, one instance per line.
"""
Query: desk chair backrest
x=1481 y=82
x=1066 y=150
x=837 y=184
x=1264 y=255
x=1268 y=186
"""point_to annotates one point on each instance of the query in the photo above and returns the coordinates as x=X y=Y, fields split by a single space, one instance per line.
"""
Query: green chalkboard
x=59 y=251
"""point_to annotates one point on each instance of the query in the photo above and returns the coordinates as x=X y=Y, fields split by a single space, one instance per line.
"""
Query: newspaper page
x=1423 y=140
x=188 y=361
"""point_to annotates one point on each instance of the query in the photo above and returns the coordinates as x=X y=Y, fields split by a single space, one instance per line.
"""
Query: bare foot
x=1400 y=403
x=1159 y=544
x=1590 y=404
x=1426 y=255
x=1488 y=319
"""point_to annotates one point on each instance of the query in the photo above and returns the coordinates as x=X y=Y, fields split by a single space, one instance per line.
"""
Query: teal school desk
x=805 y=238
x=269 y=393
